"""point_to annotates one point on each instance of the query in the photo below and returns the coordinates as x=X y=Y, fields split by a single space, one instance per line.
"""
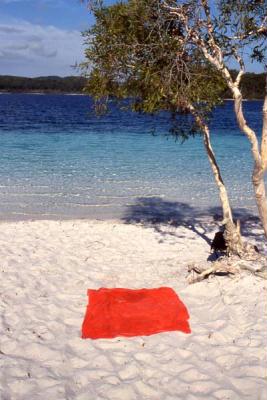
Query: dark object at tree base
x=256 y=249
x=218 y=243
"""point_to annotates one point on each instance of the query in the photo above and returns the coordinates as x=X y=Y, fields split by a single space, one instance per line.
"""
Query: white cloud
x=9 y=29
x=30 y=49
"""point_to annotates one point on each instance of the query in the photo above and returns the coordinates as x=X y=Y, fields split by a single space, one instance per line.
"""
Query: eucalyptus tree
x=142 y=50
x=225 y=31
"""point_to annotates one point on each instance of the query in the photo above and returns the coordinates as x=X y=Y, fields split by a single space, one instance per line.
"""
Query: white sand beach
x=46 y=269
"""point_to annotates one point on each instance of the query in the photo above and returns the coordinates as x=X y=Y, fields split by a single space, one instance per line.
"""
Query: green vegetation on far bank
x=44 y=84
x=252 y=85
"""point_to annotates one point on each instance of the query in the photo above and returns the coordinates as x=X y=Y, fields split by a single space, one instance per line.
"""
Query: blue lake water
x=58 y=160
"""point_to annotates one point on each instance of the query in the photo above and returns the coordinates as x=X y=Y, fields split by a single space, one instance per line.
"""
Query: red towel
x=127 y=312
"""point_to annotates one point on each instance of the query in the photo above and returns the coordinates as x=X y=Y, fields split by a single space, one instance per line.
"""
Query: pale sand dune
x=46 y=269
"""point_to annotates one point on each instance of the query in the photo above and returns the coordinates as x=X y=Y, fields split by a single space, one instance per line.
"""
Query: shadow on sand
x=155 y=212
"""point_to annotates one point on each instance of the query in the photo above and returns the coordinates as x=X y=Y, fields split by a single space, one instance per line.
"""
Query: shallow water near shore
x=59 y=161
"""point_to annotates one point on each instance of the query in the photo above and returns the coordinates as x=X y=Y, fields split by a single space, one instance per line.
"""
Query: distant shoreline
x=252 y=85
x=42 y=92
x=85 y=94
x=42 y=84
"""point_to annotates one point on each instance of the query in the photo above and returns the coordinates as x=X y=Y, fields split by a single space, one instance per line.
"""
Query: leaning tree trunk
x=259 y=156
x=226 y=208
x=263 y=204
x=232 y=233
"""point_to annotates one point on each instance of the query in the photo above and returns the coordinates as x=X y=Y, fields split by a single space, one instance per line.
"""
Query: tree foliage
x=133 y=51
x=241 y=25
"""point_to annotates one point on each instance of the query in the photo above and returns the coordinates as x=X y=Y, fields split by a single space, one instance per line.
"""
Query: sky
x=43 y=37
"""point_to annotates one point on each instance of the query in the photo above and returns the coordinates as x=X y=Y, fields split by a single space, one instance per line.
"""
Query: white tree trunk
x=264 y=163
x=206 y=41
x=259 y=156
x=232 y=233
x=226 y=208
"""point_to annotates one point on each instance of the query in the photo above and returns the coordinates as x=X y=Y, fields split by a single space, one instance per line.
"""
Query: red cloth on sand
x=128 y=312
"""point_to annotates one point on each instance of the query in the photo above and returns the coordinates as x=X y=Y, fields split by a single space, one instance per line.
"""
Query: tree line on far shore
x=252 y=84
x=43 y=84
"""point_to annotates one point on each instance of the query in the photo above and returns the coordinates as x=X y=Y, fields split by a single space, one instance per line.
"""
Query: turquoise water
x=58 y=160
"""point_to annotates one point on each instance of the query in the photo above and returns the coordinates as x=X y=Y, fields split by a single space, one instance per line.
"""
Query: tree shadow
x=158 y=213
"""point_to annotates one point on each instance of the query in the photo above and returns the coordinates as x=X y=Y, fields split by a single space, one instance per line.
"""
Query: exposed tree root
x=253 y=262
